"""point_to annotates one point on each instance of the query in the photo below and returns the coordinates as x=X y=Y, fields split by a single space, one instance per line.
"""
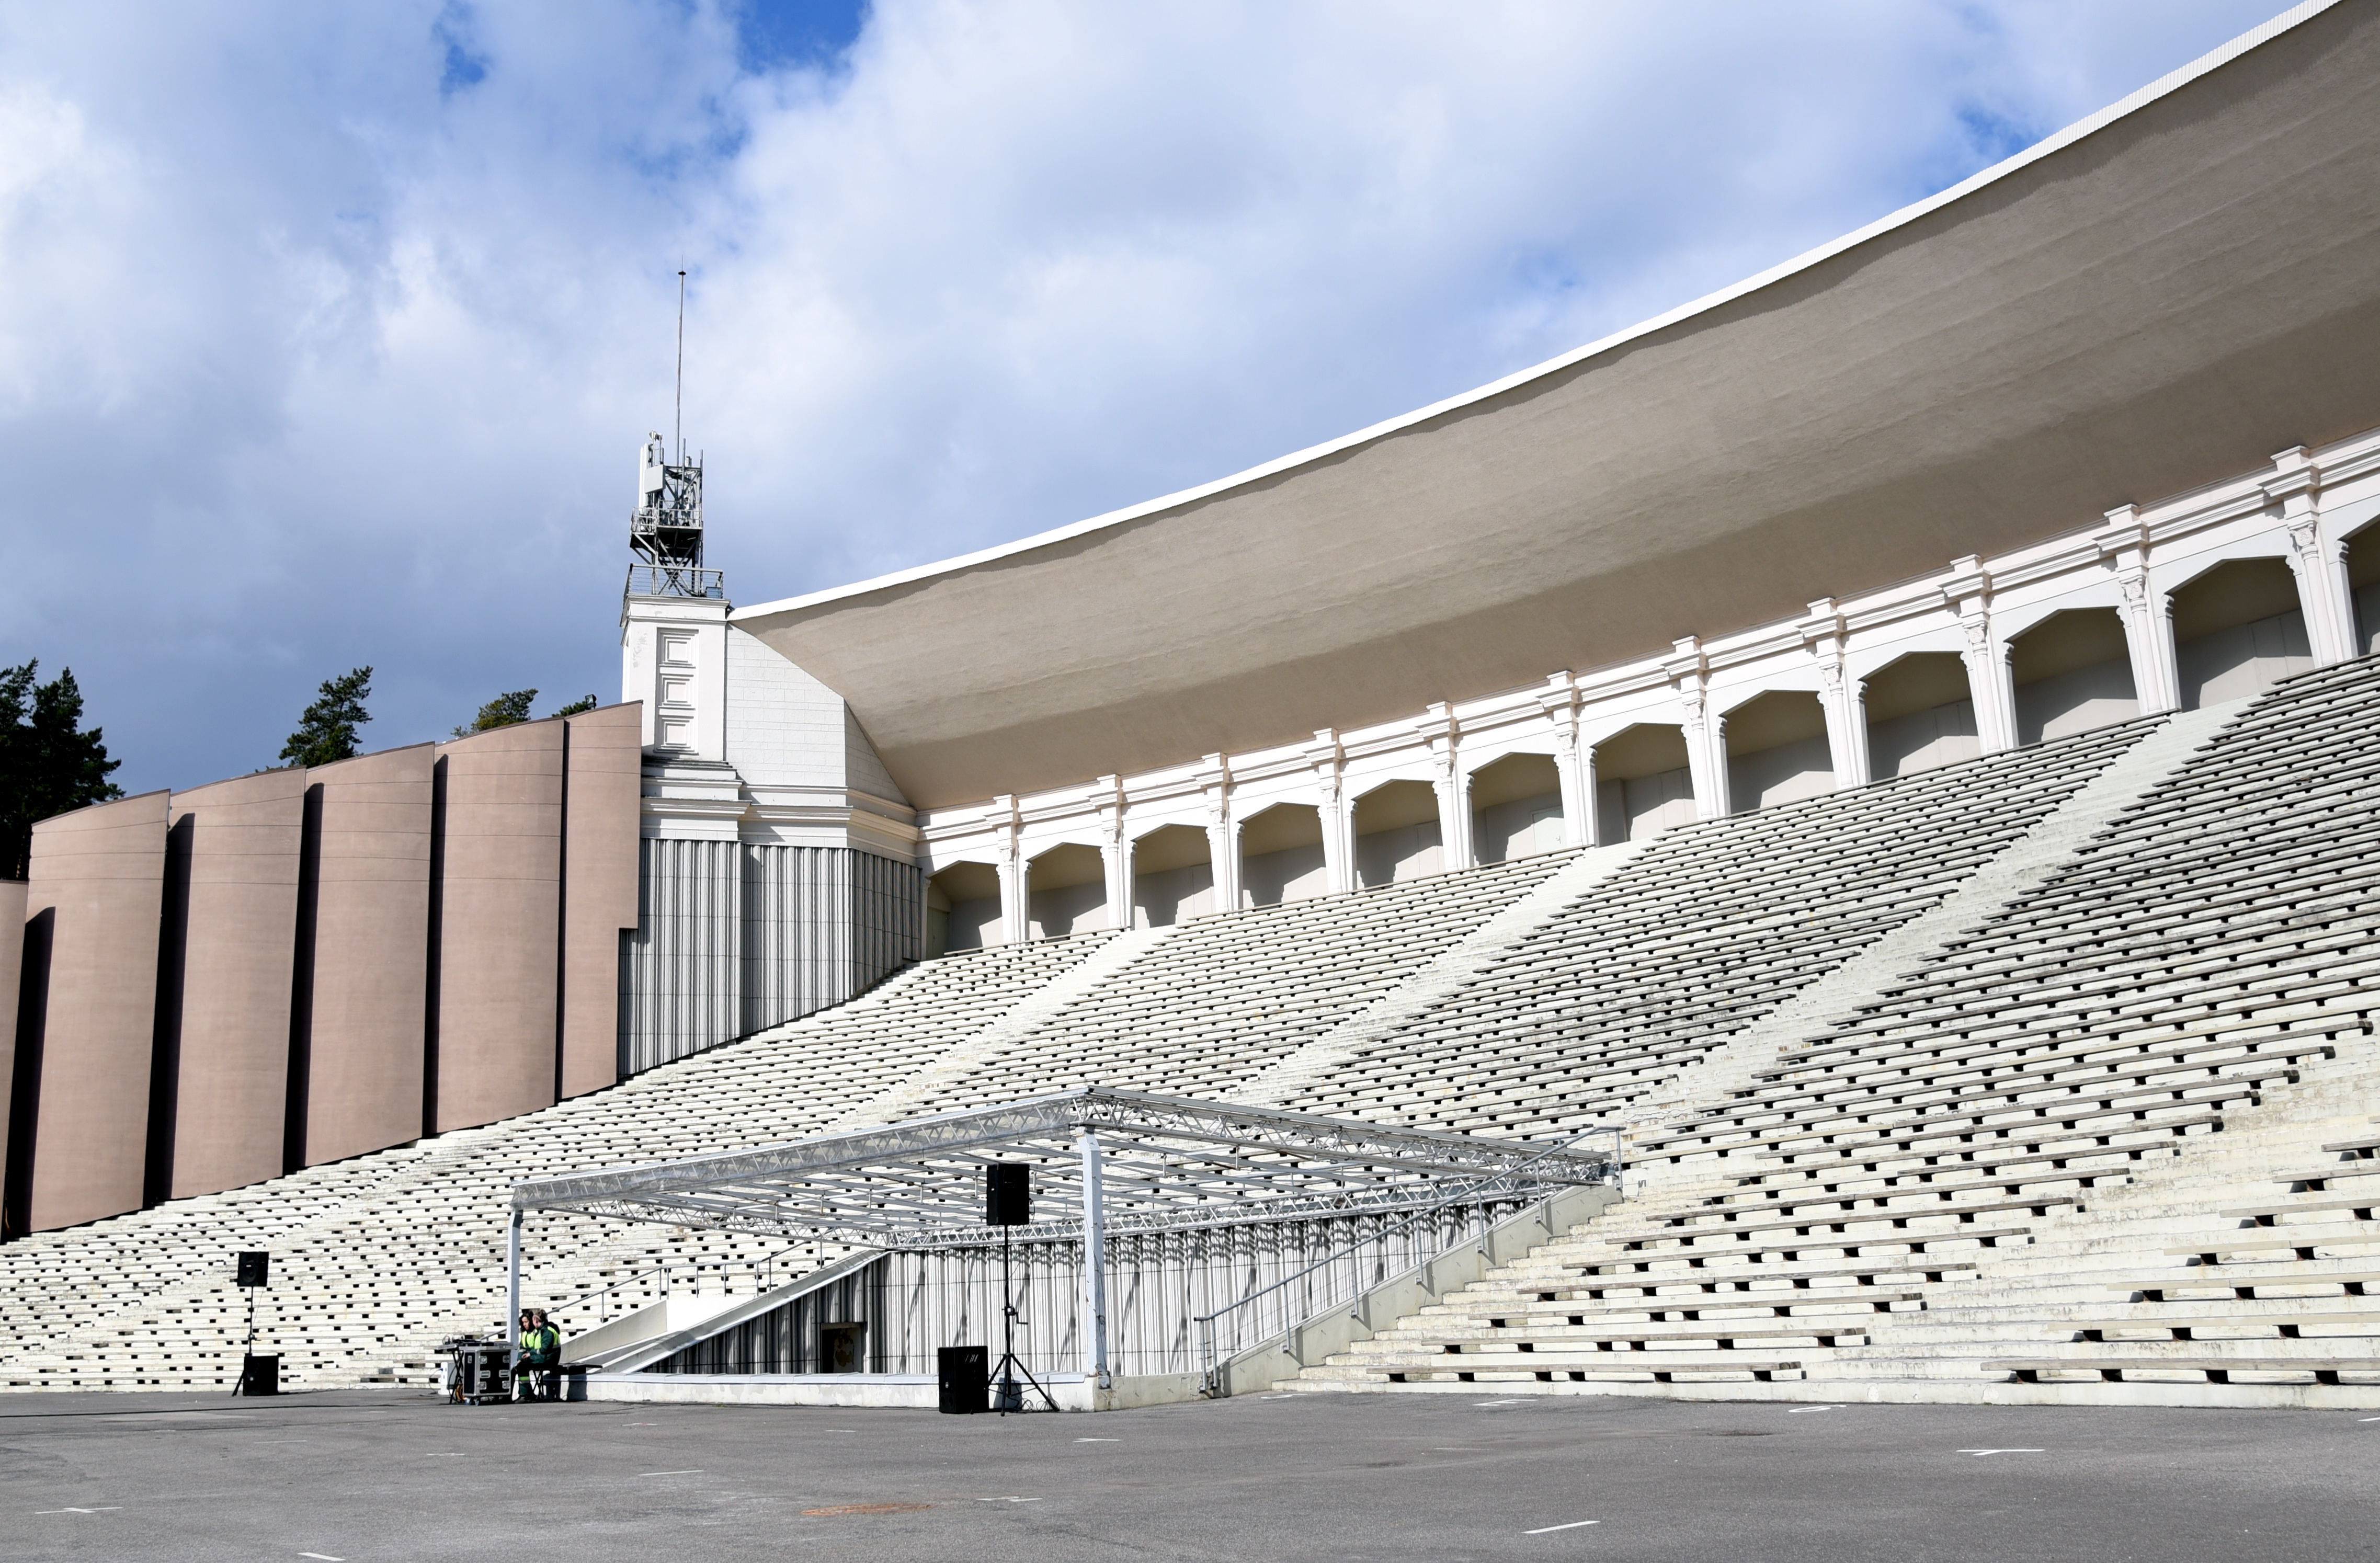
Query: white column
x=1331 y=802
x=1453 y=787
x=1016 y=921
x=512 y=1290
x=2317 y=559
x=1115 y=852
x=1095 y=1268
x=2148 y=636
x=1969 y=595
x=1222 y=833
x=1839 y=696
x=1590 y=791
x=1706 y=733
x=1573 y=766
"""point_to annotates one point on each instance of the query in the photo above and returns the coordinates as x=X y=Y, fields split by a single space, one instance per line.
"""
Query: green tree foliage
x=327 y=730
x=48 y=765
x=505 y=711
x=512 y=708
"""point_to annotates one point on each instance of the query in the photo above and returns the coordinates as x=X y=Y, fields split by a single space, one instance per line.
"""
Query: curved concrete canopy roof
x=2161 y=297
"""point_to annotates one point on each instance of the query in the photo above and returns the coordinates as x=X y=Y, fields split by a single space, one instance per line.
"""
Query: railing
x=1296 y=1300
x=763 y=1272
x=675 y=580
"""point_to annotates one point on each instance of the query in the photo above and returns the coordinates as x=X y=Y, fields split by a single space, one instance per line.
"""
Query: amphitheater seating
x=1970 y=1185
x=2074 y=1148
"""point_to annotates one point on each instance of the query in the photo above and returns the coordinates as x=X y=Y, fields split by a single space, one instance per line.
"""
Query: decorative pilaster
x=1453 y=784
x=2147 y=613
x=1574 y=763
x=1329 y=762
x=1840 y=695
x=2318 y=560
x=1705 y=731
x=1015 y=920
x=1115 y=850
x=1969 y=595
x=1223 y=831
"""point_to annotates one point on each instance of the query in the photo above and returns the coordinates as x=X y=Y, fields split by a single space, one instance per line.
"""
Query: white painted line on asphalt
x=322 y=1558
x=696 y=1472
x=103 y=1508
x=1485 y=1404
x=2368 y=1419
x=2002 y=1451
x=1276 y=1397
x=1009 y=1500
x=1798 y=1410
x=1548 y=1529
x=446 y=1454
x=1098 y=1440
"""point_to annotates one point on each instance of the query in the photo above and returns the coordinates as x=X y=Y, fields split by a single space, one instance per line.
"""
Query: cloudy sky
x=328 y=332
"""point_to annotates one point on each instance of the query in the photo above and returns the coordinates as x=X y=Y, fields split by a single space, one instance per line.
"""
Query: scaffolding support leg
x=1095 y=1268
x=512 y=1299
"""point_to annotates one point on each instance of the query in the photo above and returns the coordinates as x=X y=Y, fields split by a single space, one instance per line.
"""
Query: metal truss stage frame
x=1113 y=1161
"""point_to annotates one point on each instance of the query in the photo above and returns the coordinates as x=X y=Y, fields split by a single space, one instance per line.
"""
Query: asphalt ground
x=372 y=1474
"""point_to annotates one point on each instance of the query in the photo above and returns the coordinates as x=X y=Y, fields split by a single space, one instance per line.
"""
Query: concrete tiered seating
x=2006 y=1180
x=1710 y=928
x=377 y=1257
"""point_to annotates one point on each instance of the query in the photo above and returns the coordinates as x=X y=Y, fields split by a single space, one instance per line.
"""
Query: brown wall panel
x=12 y=958
x=99 y=873
x=606 y=788
x=499 y=919
x=238 y=942
x=370 y=954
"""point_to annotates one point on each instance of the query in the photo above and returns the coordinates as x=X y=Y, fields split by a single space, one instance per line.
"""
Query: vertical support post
x=1116 y=851
x=1095 y=1267
x=1222 y=833
x=511 y=1293
x=1838 y=693
x=1337 y=828
x=2318 y=560
x=1573 y=767
x=1969 y=597
x=1706 y=734
x=2147 y=613
x=1016 y=903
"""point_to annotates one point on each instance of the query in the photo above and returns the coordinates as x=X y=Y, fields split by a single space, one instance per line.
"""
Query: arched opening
x=2238 y=628
x=1066 y=891
x=2363 y=582
x=962 y=908
x=1921 y=713
x=1776 y=750
x=1280 y=855
x=2073 y=672
x=1516 y=807
x=1172 y=877
x=1396 y=833
x=1642 y=783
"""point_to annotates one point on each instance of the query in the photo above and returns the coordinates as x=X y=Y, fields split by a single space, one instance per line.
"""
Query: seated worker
x=540 y=1357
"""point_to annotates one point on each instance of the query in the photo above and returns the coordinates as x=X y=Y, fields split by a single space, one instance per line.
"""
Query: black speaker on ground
x=258 y=1375
x=965 y=1374
x=1007 y=1194
x=253 y=1269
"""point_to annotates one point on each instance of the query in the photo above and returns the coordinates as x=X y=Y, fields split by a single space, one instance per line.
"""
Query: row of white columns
x=2317 y=562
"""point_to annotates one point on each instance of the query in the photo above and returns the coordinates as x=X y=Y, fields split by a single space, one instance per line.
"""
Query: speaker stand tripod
x=1008 y=1398
x=248 y=1351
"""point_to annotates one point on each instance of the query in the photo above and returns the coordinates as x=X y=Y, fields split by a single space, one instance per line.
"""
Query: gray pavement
x=365 y=1475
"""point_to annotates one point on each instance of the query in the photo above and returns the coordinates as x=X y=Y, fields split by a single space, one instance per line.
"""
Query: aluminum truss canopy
x=1162 y=1163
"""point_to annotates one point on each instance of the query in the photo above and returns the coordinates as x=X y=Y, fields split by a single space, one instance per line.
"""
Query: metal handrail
x=1206 y=1322
x=769 y=1263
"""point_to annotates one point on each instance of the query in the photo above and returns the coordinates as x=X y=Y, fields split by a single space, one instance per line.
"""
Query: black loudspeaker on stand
x=257 y=1376
x=1008 y=1202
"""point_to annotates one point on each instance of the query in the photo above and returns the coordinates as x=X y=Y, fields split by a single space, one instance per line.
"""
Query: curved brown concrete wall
x=98 y=873
x=364 y=1027
x=238 y=841
x=605 y=793
x=499 y=909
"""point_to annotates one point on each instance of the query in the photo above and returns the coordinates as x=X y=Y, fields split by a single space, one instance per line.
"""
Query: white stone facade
x=1619 y=751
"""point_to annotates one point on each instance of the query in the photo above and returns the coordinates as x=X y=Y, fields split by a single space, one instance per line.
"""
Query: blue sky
x=330 y=332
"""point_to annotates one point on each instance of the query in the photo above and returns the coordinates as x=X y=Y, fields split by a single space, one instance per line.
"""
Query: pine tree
x=326 y=731
x=505 y=711
x=48 y=765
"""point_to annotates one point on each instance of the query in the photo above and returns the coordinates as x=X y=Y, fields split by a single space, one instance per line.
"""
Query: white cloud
x=315 y=351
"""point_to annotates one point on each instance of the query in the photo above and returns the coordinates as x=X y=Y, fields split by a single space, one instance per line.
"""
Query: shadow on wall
x=1516 y=807
x=1066 y=891
x=1396 y=833
x=1921 y=713
x=962 y=908
x=1280 y=856
x=2073 y=672
x=2238 y=628
x=1642 y=784
x=1173 y=877
x=1776 y=750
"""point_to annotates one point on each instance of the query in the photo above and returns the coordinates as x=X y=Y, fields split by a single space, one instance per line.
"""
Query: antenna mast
x=677 y=431
x=666 y=529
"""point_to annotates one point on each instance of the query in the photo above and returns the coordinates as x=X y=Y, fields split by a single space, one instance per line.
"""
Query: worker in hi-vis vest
x=541 y=1355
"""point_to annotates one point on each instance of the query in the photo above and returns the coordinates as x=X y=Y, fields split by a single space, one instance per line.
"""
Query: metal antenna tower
x=666 y=529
